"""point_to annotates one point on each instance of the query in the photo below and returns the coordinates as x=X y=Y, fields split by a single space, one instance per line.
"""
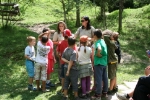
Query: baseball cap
x=67 y=32
x=84 y=38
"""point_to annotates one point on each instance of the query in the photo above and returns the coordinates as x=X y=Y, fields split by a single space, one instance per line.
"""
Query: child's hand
x=67 y=73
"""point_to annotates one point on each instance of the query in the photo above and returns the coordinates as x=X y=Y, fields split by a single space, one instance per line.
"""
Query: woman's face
x=61 y=27
x=84 y=22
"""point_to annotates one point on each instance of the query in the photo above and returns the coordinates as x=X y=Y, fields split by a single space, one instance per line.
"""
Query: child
x=85 y=66
x=100 y=65
x=30 y=58
x=51 y=59
x=60 y=49
x=118 y=50
x=41 y=62
x=69 y=56
x=112 y=60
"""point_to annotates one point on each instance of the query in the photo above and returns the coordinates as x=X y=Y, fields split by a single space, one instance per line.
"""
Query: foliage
x=134 y=40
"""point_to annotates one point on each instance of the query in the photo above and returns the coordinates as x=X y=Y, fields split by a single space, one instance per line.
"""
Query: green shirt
x=100 y=60
x=111 y=49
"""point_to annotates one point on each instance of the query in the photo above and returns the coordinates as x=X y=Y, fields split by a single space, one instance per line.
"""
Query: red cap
x=67 y=32
x=84 y=38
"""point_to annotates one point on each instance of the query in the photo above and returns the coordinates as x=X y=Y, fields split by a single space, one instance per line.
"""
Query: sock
x=47 y=81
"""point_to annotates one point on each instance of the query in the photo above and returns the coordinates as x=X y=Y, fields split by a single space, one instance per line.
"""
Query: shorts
x=62 y=75
x=40 y=71
x=30 y=68
x=72 y=78
x=112 y=70
x=50 y=67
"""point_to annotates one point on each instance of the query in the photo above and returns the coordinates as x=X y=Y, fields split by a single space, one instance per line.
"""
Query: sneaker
x=47 y=86
x=104 y=95
x=96 y=97
x=115 y=89
x=50 y=84
x=30 y=87
x=83 y=96
x=110 y=92
x=122 y=96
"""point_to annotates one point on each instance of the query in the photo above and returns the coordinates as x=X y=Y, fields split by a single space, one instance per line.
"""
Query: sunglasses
x=82 y=20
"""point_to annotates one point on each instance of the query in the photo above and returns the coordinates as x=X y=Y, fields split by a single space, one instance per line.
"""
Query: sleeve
x=77 y=32
x=73 y=56
x=98 y=45
x=27 y=51
x=55 y=37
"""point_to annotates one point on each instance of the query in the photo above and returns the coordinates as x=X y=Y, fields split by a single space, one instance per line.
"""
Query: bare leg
x=38 y=84
x=43 y=85
x=30 y=80
x=62 y=82
x=112 y=83
x=65 y=93
x=75 y=94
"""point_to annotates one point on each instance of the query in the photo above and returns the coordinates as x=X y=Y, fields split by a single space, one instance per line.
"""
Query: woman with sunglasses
x=85 y=29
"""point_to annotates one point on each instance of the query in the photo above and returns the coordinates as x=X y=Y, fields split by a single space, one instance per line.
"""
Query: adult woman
x=85 y=29
x=58 y=36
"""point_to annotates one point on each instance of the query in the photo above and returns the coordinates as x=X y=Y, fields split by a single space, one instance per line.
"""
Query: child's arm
x=65 y=60
x=27 y=57
x=69 y=67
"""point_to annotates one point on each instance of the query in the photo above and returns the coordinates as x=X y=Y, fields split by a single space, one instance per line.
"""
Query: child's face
x=32 y=43
x=61 y=27
x=95 y=37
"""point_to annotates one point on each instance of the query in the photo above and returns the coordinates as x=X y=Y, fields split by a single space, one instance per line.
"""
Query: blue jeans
x=100 y=72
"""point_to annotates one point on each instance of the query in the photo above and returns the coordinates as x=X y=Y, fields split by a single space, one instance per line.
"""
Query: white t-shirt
x=30 y=52
x=84 y=58
x=42 y=53
x=58 y=37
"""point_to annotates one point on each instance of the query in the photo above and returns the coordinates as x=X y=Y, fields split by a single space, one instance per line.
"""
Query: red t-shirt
x=62 y=45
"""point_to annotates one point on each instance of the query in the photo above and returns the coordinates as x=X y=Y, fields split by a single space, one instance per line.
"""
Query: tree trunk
x=64 y=10
x=120 y=15
x=77 y=13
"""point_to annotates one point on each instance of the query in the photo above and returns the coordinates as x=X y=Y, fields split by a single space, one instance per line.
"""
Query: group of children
x=76 y=62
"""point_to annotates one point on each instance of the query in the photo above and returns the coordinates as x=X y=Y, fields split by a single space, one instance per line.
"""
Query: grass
x=134 y=40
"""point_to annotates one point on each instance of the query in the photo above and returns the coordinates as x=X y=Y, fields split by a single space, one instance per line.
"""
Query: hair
x=115 y=35
x=30 y=38
x=44 y=39
x=45 y=29
x=98 y=33
x=71 y=41
x=84 y=44
x=88 y=24
x=61 y=22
